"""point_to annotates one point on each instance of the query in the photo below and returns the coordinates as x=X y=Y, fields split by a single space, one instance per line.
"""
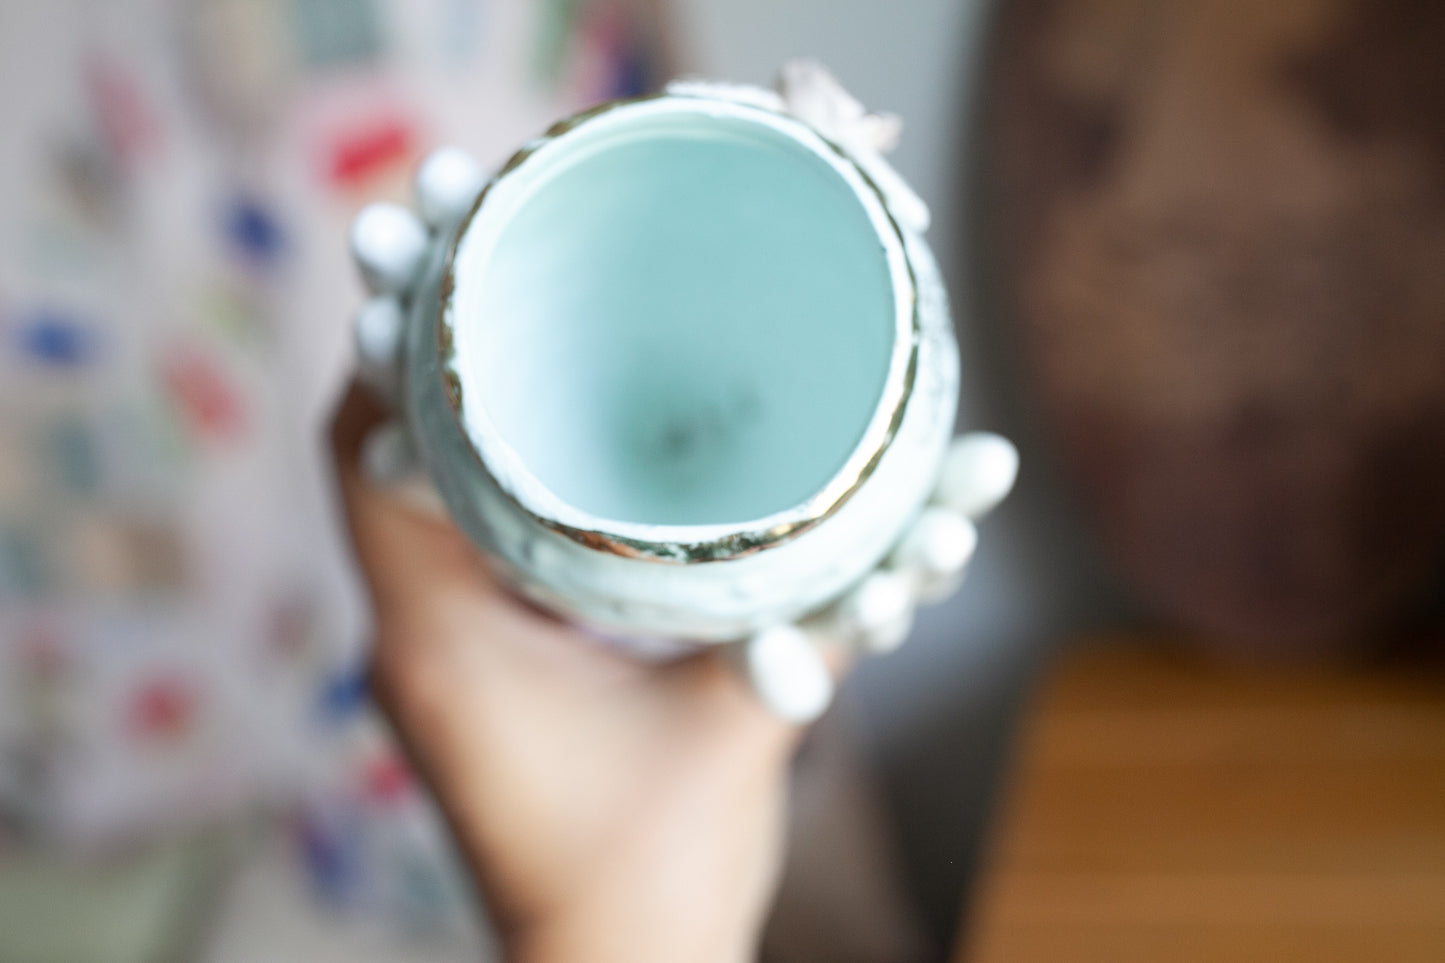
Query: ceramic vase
x=684 y=369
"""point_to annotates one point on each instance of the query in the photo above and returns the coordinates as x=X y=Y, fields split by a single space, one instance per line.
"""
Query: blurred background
x=1189 y=704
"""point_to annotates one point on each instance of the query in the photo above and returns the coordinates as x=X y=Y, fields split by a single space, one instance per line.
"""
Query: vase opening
x=677 y=315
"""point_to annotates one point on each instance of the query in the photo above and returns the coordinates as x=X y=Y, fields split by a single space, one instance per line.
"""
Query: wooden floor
x=1165 y=810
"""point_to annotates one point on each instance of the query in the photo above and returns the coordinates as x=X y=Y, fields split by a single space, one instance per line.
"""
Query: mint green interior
x=686 y=321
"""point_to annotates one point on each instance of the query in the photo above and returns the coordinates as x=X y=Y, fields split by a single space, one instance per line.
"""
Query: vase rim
x=692 y=543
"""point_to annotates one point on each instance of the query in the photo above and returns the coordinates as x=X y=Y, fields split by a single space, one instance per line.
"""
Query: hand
x=610 y=809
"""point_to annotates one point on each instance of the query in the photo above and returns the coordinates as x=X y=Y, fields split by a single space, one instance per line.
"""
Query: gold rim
x=745 y=541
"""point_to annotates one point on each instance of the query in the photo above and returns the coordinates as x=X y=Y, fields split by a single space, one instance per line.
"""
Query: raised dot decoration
x=788 y=674
x=377 y=332
x=447 y=184
x=388 y=243
x=978 y=472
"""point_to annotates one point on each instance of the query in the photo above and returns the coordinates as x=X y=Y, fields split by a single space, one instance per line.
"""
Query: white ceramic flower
x=815 y=96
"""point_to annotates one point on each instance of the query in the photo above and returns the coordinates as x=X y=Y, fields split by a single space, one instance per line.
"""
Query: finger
x=402 y=551
x=838 y=656
x=715 y=686
x=355 y=417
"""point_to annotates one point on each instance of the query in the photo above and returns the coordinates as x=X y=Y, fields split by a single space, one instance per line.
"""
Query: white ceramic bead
x=877 y=614
x=388 y=456
x=934 y=552
x=978 y=472
x=447 y=184
x=388 y=243
x=788 y=673
x=378 y=330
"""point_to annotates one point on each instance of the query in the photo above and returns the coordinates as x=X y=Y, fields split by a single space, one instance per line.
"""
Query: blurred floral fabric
x=178 y=632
